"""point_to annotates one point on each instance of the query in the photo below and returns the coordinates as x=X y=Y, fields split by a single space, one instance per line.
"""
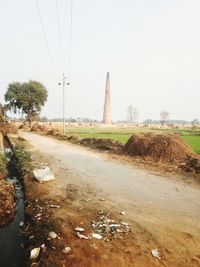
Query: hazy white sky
x=150 y=47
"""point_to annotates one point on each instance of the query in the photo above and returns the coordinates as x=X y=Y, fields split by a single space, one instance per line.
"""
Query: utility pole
x=64 y=83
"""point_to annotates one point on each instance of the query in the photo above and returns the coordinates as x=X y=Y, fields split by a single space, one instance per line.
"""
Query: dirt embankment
x=7 y=190
x=7 y=196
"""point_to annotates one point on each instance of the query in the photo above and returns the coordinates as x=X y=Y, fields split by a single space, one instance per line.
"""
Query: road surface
x=168 y=209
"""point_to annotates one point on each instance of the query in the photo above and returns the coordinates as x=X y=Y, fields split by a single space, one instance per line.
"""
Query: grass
x=193 y=142
x=191 y=137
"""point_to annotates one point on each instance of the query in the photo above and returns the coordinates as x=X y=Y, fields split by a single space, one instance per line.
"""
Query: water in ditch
x=11 y=239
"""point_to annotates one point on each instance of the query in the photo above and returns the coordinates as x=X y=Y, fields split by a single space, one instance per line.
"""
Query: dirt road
x=166 y=211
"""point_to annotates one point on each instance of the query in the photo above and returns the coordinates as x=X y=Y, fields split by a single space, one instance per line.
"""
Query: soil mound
x=25 y=127
x=37 y=127
x=159 y=147
x=101 y=143
x=8 y=128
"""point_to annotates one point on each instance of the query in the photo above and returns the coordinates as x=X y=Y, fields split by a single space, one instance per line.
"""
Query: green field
x=192 y=138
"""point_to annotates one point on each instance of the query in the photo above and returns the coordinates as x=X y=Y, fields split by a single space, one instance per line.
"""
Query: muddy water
x=11 y=239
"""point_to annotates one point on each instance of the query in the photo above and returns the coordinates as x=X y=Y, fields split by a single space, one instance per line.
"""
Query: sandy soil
x=163 y=213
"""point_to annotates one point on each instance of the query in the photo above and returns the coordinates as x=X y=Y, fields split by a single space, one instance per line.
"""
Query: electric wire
x=70 y=41
x=45 y=36
x=59 y=37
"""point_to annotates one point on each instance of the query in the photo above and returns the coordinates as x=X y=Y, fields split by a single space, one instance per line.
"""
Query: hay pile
x=8 y=128
x=40 y=128
x=53 y=132
x=158 y=147
x=25 y=127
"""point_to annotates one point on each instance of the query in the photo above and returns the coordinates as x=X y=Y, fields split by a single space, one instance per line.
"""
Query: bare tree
x=132 y=114
x=195 y=122
x=164 y=115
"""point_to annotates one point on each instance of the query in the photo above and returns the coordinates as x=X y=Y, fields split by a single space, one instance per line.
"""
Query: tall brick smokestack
x=107 y=103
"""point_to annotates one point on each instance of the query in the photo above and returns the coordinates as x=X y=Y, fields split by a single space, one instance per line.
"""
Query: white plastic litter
x=35 y=253
x=52 y=235
x=21 y=224
x=67 y=250
x=43 y=175
x=79 y=229
x=97 y=236
x=82 y=236
x=155 y=253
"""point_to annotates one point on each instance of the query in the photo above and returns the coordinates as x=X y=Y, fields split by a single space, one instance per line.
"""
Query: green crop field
x=192 y=138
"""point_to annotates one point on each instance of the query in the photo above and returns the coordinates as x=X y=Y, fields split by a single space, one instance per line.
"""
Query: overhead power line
x=70 y=40
x=45 y=36
x=59 y=37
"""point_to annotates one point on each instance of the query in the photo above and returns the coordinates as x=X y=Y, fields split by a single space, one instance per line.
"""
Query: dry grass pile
x=101 y=143
x=25 y=127
x=8 y=128
x=160 y=148
x=38 y=127
x=53 y=132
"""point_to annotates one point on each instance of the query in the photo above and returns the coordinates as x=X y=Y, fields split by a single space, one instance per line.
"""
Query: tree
x=27 y=98
x=195 y=122
x=132 y=114
x=164 y=115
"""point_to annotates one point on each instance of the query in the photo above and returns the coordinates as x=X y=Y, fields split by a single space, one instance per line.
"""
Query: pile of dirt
x=8 y=128
x=38 y=127
x=101 y=143
x=164 y=148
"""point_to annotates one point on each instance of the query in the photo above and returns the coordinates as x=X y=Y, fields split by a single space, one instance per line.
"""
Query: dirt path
x=162 y=212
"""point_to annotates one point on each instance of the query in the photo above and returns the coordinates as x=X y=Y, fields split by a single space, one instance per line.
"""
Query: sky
x=150 y=47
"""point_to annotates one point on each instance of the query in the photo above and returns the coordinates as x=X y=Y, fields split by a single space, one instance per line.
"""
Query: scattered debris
x=122 y=213
x=43 y=175
x=97 y=236
x=43 y=247
x=21 y=224
x=54 y=206
x=108 y=228
x=67 y=250
x=82 y=236
x=79 y=229
x=35 y=253
x=155 y=254
x=53 y=235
